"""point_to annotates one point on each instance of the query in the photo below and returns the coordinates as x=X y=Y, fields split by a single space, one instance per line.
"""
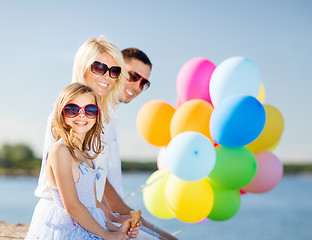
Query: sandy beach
x=9 y=231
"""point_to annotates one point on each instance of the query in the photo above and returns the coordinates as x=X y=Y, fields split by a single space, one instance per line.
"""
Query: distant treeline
x=19 y=160
x=298 y=168
x=152 y=166
x=18 y=156
x=139 y=166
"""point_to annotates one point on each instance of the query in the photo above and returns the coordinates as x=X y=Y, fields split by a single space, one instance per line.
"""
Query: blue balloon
x=236 y=75
x=190 y=156
x=237 y=121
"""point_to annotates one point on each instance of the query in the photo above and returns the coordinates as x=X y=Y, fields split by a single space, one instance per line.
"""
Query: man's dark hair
x=137 y=54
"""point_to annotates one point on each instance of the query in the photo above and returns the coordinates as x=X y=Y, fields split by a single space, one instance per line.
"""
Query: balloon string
x=143 y=186
x=176 y=233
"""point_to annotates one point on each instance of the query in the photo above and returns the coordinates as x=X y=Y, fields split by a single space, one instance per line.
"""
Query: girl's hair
x=92 y=140
x=86 y=55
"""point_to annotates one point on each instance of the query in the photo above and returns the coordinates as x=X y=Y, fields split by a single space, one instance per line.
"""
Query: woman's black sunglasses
x=101 y=68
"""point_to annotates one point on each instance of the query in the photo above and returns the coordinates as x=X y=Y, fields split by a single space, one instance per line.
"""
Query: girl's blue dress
x=59 y=225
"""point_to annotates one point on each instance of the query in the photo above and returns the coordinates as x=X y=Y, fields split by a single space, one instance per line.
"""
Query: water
x=283 y=213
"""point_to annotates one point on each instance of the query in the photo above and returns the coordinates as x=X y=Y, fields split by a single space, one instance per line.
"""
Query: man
x=139 y=68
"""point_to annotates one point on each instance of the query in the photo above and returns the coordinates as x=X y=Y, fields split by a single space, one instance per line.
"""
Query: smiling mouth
x=81 y=123
x=129 y=92
x=103 y=84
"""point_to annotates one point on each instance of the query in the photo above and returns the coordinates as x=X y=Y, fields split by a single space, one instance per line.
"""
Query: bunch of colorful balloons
x=215 y=145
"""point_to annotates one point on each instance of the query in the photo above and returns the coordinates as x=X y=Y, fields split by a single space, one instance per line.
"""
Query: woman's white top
x=111 y=139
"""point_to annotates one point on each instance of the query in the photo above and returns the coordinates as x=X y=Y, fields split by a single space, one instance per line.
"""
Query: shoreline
x=289 y=168
x=9 y=231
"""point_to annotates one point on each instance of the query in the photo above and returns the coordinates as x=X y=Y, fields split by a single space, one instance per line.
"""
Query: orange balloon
x=153 y=122
x=193 y=115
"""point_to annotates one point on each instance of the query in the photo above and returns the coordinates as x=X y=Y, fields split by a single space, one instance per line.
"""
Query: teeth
x=130 y=93
x=103 y=84
x=81 y=123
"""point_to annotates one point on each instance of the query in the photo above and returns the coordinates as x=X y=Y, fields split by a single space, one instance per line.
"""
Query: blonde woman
x=99 y=64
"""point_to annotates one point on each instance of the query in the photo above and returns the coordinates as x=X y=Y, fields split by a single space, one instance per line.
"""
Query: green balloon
x=234 y=168
x=226 y=204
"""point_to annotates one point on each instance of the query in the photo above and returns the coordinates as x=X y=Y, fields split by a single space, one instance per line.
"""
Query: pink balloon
x=269 y=173
x=178 y=102
x=242 y=192
x=161 y=159
x=194 y=78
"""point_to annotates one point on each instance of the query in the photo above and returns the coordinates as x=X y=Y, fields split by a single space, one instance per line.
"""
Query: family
x=79 y=184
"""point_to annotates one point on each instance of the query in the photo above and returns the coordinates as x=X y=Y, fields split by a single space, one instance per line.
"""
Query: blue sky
x=39 y=40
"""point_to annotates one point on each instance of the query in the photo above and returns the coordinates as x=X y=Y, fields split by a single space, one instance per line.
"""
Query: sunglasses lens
x=99 y=68
x=91 y=111
x=145 y=84
x=133 y=76
x=114 y=72
x=71 y=110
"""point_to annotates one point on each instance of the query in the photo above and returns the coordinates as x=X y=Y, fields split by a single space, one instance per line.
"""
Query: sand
x=9 y=231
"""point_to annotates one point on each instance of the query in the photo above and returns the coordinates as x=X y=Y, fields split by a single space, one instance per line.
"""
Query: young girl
x=76 y=213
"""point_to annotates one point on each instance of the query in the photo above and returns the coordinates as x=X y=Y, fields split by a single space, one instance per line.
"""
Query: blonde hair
x=92 y=140
x=86 y=55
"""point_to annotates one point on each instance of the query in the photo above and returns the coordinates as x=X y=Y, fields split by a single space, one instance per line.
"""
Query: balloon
x=153 y=122
x=226 y=204
x=178 y=102
x=189 y=201
x=204 y=220
x=237 y=120
x=261 y=94
x=154 y=195
x=234 y=168
x=271 y=133
x=193 y=115
x=161 y=159
x=215 y=144
x=272 y=148
x=236 y=75
x=242 y=192
x=268 y=175
x=193 y=79
x=190 y=156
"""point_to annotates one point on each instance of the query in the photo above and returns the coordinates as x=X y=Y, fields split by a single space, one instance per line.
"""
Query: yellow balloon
x=154 y=194
x=261 y=94
x=189 y=201
x=193 y=115
x=271 y=149
x=153 y=122
x=271 y=132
